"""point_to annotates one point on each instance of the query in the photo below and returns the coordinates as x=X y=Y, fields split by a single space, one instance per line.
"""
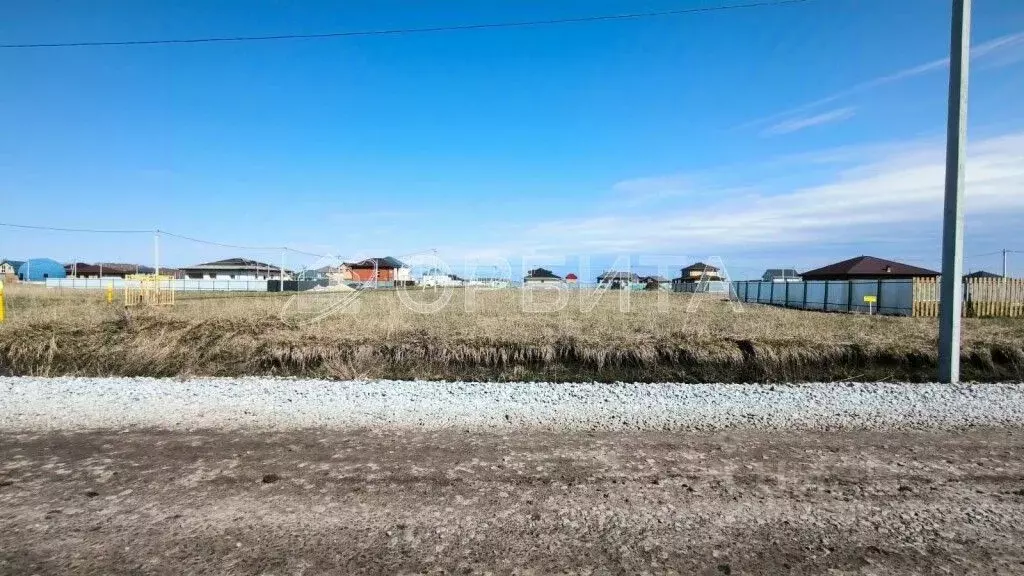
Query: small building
x=572 y=278
x=616 y=279
x=438 y=277
x=981 y=274
x=9 y=267
x=234 y=269
x=109 y=270
x=655 y=282
x=780 y=275
x=312 y=275
x=868 y=268
x=541 y=276
x=387 y=269
x=697 y=272
x=489 y=282
x=127 y=268
x=38 y=269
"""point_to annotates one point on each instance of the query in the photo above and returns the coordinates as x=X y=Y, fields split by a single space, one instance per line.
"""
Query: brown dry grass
x=667 y=336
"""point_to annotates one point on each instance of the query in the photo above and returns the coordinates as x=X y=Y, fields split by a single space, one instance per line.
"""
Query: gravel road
x=266 y=403
x=117 y=476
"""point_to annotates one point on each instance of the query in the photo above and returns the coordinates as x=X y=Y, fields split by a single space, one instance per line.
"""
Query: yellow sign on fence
x=871 y=299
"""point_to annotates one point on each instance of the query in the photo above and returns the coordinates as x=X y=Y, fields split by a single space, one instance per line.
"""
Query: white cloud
x=884 y=189
x=800 y=123
x=1001 y=51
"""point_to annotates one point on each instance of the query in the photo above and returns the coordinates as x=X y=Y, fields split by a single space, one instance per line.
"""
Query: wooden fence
x=983 y=297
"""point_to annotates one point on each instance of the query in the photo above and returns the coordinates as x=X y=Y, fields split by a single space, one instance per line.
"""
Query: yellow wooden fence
x=983 y=297
x=148 y=290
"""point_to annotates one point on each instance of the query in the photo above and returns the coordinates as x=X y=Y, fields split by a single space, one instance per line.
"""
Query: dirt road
x=533 y=503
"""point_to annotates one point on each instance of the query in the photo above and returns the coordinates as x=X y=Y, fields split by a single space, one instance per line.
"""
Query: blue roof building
x=38 y=269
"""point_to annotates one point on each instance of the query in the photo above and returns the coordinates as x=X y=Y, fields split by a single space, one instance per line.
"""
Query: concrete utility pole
x=1004 y=262
x=951 y=295
x=281 y=271
x=156 y=252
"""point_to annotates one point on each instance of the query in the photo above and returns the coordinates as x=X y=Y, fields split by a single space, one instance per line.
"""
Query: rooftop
x=542 y=273
x=699 y=267
x=868 y=266
x=385 y=262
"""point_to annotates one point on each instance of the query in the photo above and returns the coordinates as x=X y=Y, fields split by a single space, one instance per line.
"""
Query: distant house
x=9 y=267
x=697 y=272
x=572 y=278
x=489 y=282
x=438 y=277
x=234 y=269
x=387 y=269
x=868 y=268
x=312 y=275
x=654 y=282
x=981 y=274
x=37 y=269
x=541 y=276
x=111 y=270
x=780 y=275
x=617 y=279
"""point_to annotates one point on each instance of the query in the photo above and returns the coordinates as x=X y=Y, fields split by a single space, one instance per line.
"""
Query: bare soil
x=339 y=502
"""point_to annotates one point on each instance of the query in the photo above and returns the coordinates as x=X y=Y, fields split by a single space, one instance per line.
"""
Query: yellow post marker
x=1 y=301
x=110 y=293
x=870 y=300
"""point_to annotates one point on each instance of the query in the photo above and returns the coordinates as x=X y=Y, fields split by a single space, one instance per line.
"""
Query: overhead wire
x=400 y=31
x=221 y=244
x=86 y=230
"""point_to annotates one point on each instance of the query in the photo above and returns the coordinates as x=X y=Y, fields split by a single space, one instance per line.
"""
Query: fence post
x=746 y=291
x=824 y=304
x=878 y=296
x=771 y=292
x=804 y=306
x=758 y=291
x=849 y=295
x=787 y=292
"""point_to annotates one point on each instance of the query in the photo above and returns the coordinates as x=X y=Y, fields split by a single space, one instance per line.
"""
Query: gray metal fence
x=893 y=297
x=709 y=286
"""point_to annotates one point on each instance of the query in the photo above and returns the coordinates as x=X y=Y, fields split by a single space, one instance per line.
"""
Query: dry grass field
x=490 y=335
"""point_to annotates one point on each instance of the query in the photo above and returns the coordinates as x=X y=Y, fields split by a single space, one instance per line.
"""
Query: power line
x=398 y=31
x=221 y=244
x=995 y=253
x=189 y=238
x=287 y=249
x=986 y=254
x=59 y=229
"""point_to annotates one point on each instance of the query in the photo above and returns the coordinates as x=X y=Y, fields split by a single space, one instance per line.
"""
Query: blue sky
x=786 y=136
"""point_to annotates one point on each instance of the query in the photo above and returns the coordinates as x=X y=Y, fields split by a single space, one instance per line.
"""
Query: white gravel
x=263 y=403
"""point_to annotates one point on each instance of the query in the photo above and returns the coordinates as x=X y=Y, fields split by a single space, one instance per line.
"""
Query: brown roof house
x=868 y=268
x=697 y=272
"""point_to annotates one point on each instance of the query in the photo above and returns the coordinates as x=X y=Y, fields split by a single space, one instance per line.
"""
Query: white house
x=540 y=277
x=436 y=277
x=9 y=267
x=234 y=269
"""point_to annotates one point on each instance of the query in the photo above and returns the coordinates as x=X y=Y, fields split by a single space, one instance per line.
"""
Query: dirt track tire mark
x=391 y=502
